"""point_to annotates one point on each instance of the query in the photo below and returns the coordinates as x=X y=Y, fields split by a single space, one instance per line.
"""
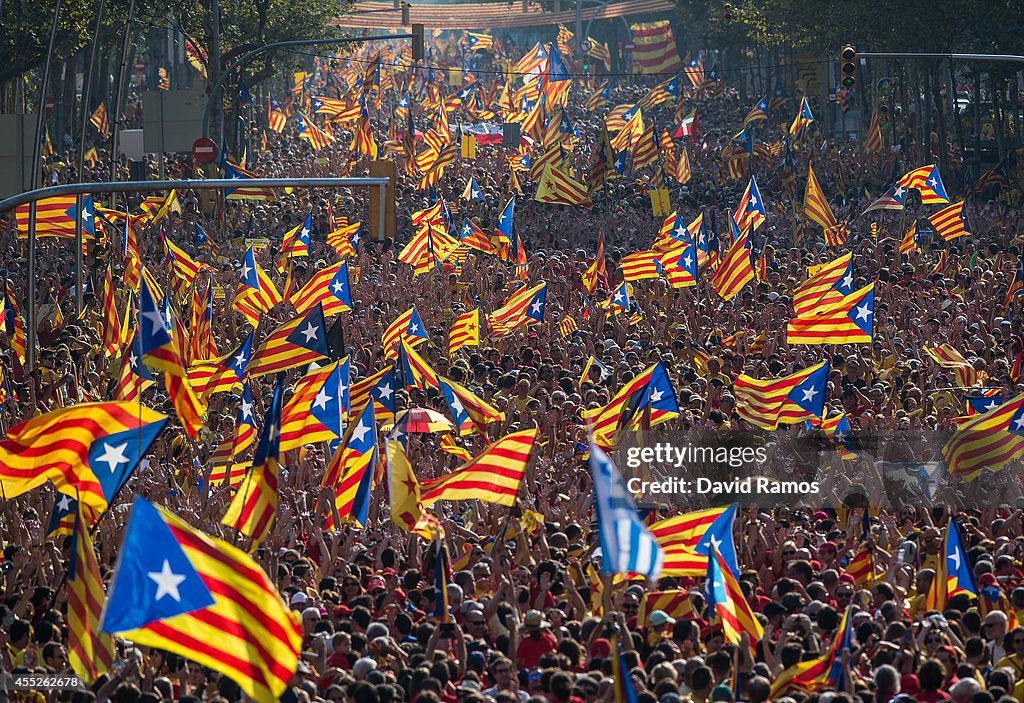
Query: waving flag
x=100 y=120
x=254 y=506
x=469 y=411
x=87 y=450
x=256 y=293
x=927 y=182
x=639 y=266
x=202 y=345
x=294 y=343
x=954 y=575
x=409 y=326
x=650 y=391
x=687 y=127
x=416 y=371
x=782 y=401
x=524 y=307
x=688 y=540
x=627 y=547
x=317 y=408
x=225 y=468
x=472 y=191
x=223 y=374
x=90 y=652
x=816 y=207
x=295 y=243
x=317 y=138
x=403 y=488
x=160 y=351
x=182 y=591
x=892 y=199
x=824 y=672
x=951 y=222
x=558 y=187
x=494 y=476
x=848 y=321
x=275 y=115
x=736 y=271
x=503 y=230
x=750 y=213
x=329 y=288
x=472 y=236
x=757 y=113
x=465 y=331
x=803 y=118
x=727 y=604
x=947 y=357
x=990 y=440
x=826 y=285
x=351 y=470
x=56 y=216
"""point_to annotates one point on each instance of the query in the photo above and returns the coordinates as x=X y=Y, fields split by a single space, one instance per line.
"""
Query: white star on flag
x=167 y=582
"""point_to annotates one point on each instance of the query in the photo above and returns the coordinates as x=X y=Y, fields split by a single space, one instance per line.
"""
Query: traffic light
x=417 y=42
x=405 y=14
x=848 y=66
x=727 y=14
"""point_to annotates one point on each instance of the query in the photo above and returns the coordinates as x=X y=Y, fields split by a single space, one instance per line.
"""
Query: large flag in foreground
x=87 y=450
x=183 y=591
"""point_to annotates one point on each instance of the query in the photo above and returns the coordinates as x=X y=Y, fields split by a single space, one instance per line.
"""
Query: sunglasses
x=788 y=552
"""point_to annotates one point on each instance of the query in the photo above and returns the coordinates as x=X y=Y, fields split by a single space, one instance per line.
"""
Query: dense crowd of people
x=532 y=620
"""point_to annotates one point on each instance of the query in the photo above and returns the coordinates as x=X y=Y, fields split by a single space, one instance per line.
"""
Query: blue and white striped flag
x=626 y=544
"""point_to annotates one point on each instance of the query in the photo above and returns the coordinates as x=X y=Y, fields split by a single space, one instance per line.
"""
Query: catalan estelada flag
x=648 y=398
x=90 y=652
x=803 y=118
x=351 y=471
x=655 y=48
x=783 y=401
x=403 y=488
x=223 y=457
x=927 y=181
x=951 y=221
x=954 y=574
x=750 y=213
x=826 y=284
x=415 y=371
x=256 y=293
x=294 y=343
x=525 y=306
x=849 y=321
x=469 y=411
x=407 y=325
x=317 y=138
x=87 y=450
x=674 y=603
x=62 y=517
x=494 y=476
x=824 y=672
x=317 y=407
x=726 y=603
x=295 y=243
x=254 y=506
x=465 y=331
x=735 y=271
x=223 y=374
x=55 y=217
x=182 y=591
x=379 y=388
x=990 y=440
x=161 y=351
x=329 y=287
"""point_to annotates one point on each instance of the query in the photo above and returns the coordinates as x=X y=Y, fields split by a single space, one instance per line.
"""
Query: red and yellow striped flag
x=735 y=271
x=465 y=331
x=254 y=506
x=90 y=652
x=951 y=221
x=494 y=476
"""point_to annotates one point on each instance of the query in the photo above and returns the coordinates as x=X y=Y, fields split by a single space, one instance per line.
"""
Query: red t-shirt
x=531 y=649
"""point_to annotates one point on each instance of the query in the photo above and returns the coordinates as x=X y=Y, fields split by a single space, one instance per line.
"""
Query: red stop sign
x=50 y=103
x=140 y=66
x=204 y=150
